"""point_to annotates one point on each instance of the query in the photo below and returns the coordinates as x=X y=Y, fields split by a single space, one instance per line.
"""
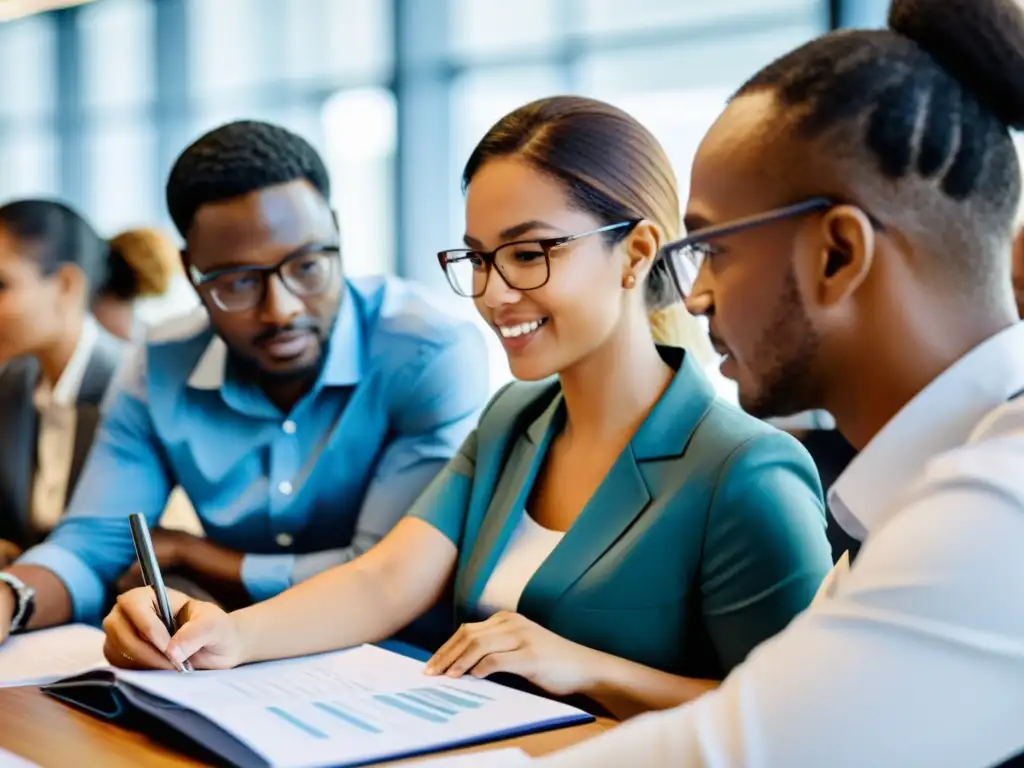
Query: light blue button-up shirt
x=401 y=387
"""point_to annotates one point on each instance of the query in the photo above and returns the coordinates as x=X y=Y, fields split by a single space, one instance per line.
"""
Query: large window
x=484 y=29
x=613 y=17
x=96 y=100
x=28 y=164
x=119 y=179
x=360 y=127
x=28 y=140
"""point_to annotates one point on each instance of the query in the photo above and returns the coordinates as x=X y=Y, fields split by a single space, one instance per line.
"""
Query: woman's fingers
x=125 y=647
x=138 y=607
x=206 y=635
x=448 y=652
x=469 y=645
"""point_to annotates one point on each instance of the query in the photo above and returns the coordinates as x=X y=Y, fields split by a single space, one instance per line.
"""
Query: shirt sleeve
x=765 y=552
x=436 y=403
x=916 y=659
x=125 y=473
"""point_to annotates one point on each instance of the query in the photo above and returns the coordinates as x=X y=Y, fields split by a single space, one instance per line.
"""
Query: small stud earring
x=629 y=282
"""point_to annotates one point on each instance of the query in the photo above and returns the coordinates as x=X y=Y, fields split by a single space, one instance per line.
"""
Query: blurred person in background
x=301 y=412
x=145 y=284
x=58 y=362
x=612 y=528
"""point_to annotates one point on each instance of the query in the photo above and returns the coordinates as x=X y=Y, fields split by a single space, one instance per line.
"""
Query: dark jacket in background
x=19 y=429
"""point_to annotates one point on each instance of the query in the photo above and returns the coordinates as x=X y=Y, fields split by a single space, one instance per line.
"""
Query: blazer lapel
x=106 y=355
x=508 y=500
x=103 y=362
x=624 y=493
x=18 y=421
x=86 y=419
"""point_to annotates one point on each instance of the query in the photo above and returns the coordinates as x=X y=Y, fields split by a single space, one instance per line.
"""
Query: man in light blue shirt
x=302 y=413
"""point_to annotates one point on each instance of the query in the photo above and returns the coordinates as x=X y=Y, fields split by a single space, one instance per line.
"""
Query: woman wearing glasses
x=617 y=531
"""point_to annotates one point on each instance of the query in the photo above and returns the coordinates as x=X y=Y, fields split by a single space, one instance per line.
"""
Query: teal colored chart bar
x=305 y=727
x=409 y=709
x=341 y=714
x=474 y=694
x=423 y=702
x=459 y=701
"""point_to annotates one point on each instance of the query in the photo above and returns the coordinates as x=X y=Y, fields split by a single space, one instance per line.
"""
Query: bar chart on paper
x=350 y=707
x=381 y=714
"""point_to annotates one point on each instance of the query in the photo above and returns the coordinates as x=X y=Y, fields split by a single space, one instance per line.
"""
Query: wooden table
x=52 y=734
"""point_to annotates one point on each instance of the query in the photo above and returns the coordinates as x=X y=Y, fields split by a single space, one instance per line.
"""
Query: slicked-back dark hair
x=236 y=159
x=931 y=97
x=55 y=234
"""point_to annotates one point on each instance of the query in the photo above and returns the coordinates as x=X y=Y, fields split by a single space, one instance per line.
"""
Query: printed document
x=351 y=707
x=47 y=655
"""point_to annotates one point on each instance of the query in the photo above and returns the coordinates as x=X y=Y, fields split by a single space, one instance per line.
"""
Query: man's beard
x=788 y=385
x=247 y=369
x=250 y=370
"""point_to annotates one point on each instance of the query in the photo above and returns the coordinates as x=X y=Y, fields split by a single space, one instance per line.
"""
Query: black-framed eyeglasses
x=306 y=272
x=685 y=257
x=524 y=265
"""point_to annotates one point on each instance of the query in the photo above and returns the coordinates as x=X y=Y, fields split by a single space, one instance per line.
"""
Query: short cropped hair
x=236 y=159
x=928 y=101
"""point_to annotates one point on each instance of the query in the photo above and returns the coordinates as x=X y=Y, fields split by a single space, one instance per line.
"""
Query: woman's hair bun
x=979 y=42
x=142 y=263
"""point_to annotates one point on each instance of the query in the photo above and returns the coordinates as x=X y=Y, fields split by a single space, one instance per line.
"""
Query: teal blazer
x=705 y=538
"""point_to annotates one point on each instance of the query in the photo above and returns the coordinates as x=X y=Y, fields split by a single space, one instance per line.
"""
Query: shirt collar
x=941 y=417
x=342 y=367
x=65 y=391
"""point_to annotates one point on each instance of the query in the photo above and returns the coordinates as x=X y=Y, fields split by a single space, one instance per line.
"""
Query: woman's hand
x=137 y=638
x=509 y=642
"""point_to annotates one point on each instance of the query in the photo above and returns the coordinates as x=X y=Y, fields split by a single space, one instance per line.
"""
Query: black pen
x=151 y=575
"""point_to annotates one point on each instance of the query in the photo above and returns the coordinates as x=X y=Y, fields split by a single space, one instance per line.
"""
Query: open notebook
x=344 y=708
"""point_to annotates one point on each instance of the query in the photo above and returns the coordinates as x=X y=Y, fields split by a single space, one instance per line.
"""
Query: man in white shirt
x=852 y=255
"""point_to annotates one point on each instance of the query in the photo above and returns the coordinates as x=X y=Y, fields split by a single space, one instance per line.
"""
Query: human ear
x=845 y=255
x=641 y=249
x=70 y=281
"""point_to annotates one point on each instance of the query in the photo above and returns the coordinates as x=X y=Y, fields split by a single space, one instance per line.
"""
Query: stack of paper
x=38 y=658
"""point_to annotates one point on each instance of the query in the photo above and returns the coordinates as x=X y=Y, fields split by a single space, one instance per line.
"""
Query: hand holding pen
x=153 y=578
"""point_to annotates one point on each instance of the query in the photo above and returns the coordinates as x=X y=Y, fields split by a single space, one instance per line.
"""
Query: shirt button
x=289 y=427
x=284 y=540
x=285 y=488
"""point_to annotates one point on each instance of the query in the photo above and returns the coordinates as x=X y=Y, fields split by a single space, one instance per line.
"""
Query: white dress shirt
x=56 y=405
x=915 y=655
x=527 y=549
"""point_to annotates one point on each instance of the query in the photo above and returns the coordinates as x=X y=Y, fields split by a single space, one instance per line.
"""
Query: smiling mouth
x=520 y=329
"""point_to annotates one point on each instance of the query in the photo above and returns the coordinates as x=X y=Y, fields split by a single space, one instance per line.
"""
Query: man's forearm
x=53 y=603
x=216 y=570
